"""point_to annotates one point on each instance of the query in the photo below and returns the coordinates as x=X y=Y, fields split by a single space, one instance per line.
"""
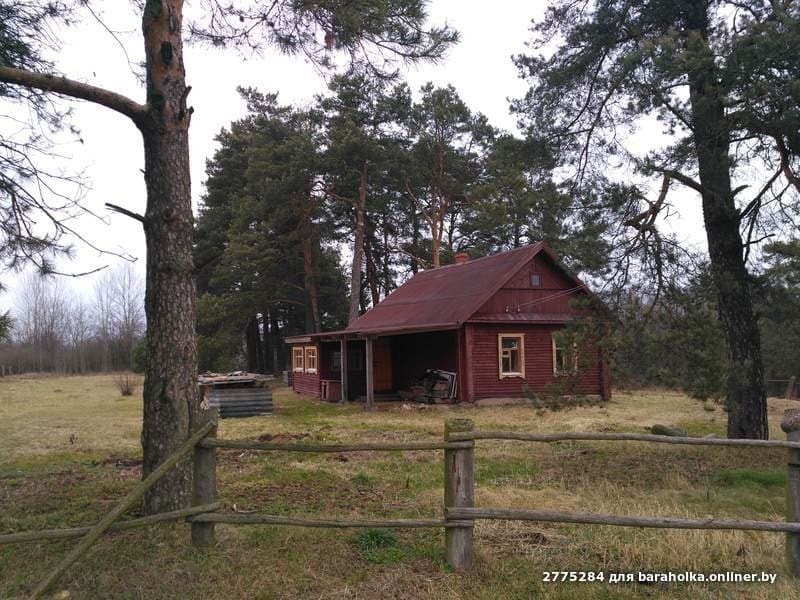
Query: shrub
x=126 y=384
x=379 y=546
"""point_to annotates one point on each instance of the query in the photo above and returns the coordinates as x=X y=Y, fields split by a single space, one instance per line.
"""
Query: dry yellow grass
x=67 y=446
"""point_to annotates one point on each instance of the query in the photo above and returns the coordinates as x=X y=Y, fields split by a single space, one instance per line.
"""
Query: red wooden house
x=492 y=321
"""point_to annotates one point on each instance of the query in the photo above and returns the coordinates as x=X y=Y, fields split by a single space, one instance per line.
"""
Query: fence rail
x=294 y=447
x=550 y=516
x=73 y=532
x=460 y=512
x=260 y=519
x=620 y=437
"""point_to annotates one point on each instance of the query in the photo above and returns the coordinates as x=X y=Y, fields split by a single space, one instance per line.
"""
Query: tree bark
x=358 y=246
x=414 y=239
x=372 y=272
x=170 y=386
x=278 y=361
x=746 y=395
x=309 y=279
x=269 y=365
x=252 y=344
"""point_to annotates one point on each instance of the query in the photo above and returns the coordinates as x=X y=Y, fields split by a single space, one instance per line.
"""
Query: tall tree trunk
x=372 y=272
x=438 y=208
x=386 y=258
x=746 y=396
x=414 y=240
x=252 y=343
x=436 y=245
x=358 y=246
x=310 y=283
x=170 y=385
x=269 y=365
x=309 y=280
x=277 y=348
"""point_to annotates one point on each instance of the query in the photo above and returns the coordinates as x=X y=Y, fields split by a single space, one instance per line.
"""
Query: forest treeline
x=53 y=328
x=373 y=183
x=376 y=178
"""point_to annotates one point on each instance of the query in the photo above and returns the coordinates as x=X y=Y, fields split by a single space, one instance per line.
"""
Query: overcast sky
x=479 y=67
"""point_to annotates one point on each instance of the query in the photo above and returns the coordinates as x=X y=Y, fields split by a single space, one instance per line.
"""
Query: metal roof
x=446 y=297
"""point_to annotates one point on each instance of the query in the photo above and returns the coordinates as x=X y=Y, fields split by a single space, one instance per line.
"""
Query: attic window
x=535 y=280
x=511 y=355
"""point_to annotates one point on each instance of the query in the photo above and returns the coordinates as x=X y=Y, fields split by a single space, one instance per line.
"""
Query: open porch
x=382 y=366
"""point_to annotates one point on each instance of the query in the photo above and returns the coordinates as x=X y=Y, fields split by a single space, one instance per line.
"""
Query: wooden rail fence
x=460 y=513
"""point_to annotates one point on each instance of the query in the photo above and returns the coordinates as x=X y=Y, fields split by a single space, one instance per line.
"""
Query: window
x=511 y=354
x=565 y=356
x=297 y=360
x=336 y=361
x=311 y=359
x=535 y=280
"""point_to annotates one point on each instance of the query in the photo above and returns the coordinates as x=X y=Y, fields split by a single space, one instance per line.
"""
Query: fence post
x=791 y=425
x=790 y=393
x=459 y=492
x=204 y=480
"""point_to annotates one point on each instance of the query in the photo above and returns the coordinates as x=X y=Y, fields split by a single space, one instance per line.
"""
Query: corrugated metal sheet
x=240 y=401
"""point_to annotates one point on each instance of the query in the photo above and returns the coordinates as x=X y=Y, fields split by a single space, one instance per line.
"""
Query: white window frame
x=509 y=374
x=298 y=352
x=306 y=350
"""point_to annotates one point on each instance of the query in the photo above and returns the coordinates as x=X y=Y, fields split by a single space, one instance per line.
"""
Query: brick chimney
x=461 y=258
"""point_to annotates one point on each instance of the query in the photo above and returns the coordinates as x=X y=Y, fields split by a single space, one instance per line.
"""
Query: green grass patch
x=751 y=477
x=519 y=471
x=361 y=480
x=703 y=428
x=385 y=547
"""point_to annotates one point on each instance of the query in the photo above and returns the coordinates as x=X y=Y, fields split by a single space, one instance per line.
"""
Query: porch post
x=370 y=375
x=469 y=387
x=343 y=369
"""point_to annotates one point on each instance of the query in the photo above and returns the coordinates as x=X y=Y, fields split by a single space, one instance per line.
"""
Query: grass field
x=69 y=449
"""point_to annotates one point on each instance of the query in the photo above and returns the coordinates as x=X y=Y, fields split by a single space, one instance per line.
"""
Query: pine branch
x=75 y=89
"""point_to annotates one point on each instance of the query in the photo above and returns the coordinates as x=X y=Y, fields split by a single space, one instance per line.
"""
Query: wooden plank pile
x=435 y=387
x=237 y=394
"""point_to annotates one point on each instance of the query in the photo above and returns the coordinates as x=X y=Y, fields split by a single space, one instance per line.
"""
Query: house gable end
x=538 y=288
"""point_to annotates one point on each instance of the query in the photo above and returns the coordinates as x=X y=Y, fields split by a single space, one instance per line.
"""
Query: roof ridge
x=480 y=258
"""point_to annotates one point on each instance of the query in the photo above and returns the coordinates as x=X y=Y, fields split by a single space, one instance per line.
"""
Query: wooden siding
x=485 y=378
x=306 y=383
x=413 y=354
x=519 y=292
